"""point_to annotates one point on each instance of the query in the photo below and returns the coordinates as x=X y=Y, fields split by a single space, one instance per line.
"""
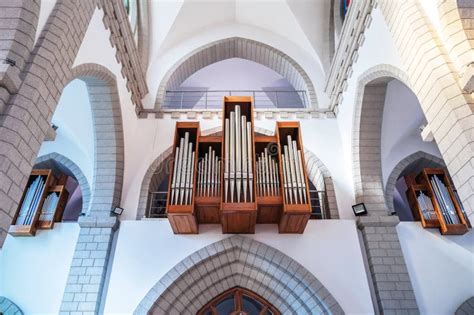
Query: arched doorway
x=238 y=301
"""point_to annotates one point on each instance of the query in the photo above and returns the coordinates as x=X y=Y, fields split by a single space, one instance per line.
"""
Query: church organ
x=42 y=204
x=435 y=203
x=238 y=179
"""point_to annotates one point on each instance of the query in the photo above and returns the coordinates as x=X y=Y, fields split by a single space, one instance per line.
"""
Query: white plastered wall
x=146 y=250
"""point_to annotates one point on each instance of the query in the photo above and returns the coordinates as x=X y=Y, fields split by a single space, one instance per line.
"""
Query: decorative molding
x=357 y=20
x=116 y=19
x=241 y=48
x=267 y=113
x=239 y=261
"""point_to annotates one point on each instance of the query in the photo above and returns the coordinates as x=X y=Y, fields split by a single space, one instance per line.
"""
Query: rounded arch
x=320 y=176
x=62 y=164
x=159 y=169
x=7 y=307
x=239 y=261
x=366 y=131
x=108 y=135
x=237 y=47
x=405 y=166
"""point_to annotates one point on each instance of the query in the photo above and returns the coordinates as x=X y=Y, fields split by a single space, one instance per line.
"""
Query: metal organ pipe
x=267 y=176
x=209 y=177
x=183 y=173
x=238 y=172
x=294 y=183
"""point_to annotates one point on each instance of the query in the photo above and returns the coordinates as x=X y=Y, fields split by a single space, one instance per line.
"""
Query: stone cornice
x=259 y=113
x=116 y=19
x=357 y=20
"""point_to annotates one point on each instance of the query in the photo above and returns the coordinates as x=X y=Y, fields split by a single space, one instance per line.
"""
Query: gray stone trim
x=320 y=176
x=366 y=141
x=18 y=22
x=236 y=47
x=86 y=277
x=466 y=308
x=26 y=118
x=121 y=37
x=388 y=270
x=428 y=160
x=61 y=164
x=239 y=261
x=7 y=307
x=108 y=137
x=153 y=177
x=143 y=35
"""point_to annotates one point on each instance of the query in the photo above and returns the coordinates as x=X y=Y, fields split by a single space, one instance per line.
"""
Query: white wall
x=74 y=137
x=441 y=267
x=46 y=7
x=146 y=250
x=34 y=270
x=236 y=74
x=378 y=48
x=402 y=117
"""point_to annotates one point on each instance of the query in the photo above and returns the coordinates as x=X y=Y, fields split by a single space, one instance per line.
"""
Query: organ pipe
x=183 y=173
x=267 y=176
x=294 y=183
x=238 y=178
x=209 y=174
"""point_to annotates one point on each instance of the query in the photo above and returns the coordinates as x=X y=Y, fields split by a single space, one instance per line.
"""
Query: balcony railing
x=157 y=204
x=279 y=99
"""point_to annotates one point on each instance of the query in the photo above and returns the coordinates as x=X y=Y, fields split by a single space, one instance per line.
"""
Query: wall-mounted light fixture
x=359 y=209
x=117 y=211
x=10 y=62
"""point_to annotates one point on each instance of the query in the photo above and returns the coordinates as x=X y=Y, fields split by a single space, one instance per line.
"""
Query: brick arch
x=366 y=141
x=21 y=17
x=237 y=47
x=456 y=17
x=27 y=115
x=318 y=174
x=321 y=178
x=239 y=261
x=7 y=307
x=59 y=162
x=428 y=160
x=108 y=136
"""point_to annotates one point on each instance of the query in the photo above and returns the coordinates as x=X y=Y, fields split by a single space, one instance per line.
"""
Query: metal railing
x=318 y=204
x=203 y=99
x=157 y=204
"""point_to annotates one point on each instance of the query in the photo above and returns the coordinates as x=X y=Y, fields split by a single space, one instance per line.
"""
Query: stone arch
x=320 y=176
x=237 y=47
x=466 y=308
x=27 y=115
x=239 y=261
x=366 y=141
x=160 y=166
x=108 y=136
x=7 y=307
x=61 y=163
x=420 y=156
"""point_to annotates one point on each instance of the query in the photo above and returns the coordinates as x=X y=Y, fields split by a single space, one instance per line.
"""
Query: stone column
x=388 y=269
x=85 y=283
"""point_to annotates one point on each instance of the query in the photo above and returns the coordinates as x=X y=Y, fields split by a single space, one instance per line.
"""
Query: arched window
x=238 y=301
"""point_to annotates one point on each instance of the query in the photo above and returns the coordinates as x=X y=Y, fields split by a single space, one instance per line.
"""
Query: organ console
x=238 y=179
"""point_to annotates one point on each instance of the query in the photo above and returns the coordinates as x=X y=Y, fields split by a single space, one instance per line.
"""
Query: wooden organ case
x=238 y=179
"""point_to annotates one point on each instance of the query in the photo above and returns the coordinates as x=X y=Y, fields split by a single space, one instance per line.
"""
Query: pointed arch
x=367 y=130
x=237 y=47
x=57 y=161
x=239 y=261
x=7 y=307
x=108 y=135
x=400 y=168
